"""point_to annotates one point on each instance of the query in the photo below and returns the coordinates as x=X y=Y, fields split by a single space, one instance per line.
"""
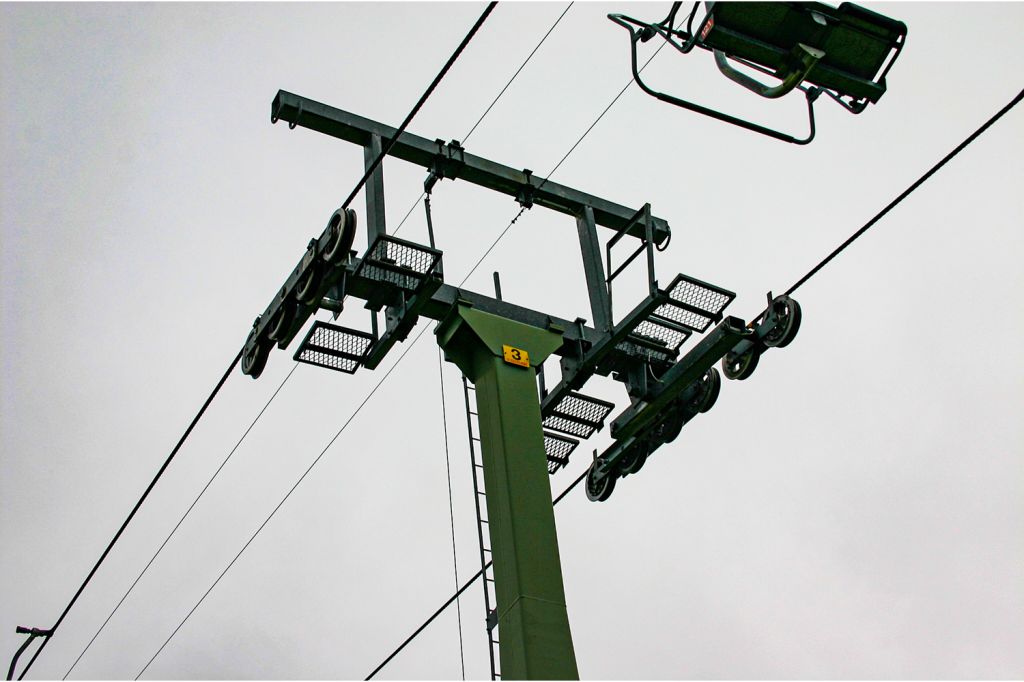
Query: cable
x=428 y=621
x=285 y=498
x=892 y=204
x=409 y=212
x=131 y=515
x=571 y=486
x=430 y=90
x=521 y=67
x=451 y=505
x=455 y=596
x=564 y=157
x=180 y=521
x=465 y=138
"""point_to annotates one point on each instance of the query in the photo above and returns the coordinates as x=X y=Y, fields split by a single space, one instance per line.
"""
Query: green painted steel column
x=535 y=641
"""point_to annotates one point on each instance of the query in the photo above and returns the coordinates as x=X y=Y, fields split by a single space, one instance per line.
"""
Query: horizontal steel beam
x=445 y=297
x=301 y=111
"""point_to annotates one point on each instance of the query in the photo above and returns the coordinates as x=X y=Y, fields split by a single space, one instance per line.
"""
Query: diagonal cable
x=465 y=138
x=429 y=91
x=451 y=505
x=920 y=181
x=455 y=596
x=285 y=498
x=180 y=521
x=522 y=66
x=566 y=156
x=135 y=509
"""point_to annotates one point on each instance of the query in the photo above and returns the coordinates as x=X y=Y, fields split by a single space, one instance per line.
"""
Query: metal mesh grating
x=668 y=338
x=694 y=304
x=659 y=333
x=338 y=348
x=645 y=352
x=398 y=262
x=686 y=318
x=578 y=415
x=558 y=448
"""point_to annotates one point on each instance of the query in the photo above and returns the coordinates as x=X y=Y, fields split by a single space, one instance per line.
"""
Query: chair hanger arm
x=812 y=95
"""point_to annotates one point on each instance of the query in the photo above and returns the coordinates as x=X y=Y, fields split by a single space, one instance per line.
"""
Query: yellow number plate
x=516 y=356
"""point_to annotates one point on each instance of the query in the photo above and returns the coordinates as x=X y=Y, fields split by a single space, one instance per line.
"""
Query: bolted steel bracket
x=525 y=194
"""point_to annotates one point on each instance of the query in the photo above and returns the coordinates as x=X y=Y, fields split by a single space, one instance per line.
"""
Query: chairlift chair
x=844 y=52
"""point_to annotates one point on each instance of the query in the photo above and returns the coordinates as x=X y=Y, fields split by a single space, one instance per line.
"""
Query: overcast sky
x=855 y=509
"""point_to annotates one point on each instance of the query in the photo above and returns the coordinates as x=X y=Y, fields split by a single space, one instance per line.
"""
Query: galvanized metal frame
x=521 y=184
x=636 y=34
x=471 y=326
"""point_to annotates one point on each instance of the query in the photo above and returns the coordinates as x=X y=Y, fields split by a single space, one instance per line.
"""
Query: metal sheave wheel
x=635 y=459
x=282 y=319
x=712 y=386
x=343 y=234
x=785 y=331
x=305 y=288
x=599 y=491
x=255 y=356
x=739 y=366
x=670 y=427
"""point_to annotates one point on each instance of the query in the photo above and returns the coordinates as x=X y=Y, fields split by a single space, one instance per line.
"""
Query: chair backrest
x=859 y=45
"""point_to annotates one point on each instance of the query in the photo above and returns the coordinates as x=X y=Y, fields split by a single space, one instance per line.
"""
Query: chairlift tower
x=501 y=348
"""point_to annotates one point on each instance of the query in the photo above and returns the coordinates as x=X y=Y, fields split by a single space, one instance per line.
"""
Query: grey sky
x=853 y=510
